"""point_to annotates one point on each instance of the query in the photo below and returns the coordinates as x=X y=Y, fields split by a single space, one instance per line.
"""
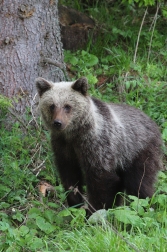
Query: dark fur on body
x=117 y=147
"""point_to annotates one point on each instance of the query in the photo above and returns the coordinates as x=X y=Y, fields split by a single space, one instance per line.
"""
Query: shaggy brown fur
x=116 y=147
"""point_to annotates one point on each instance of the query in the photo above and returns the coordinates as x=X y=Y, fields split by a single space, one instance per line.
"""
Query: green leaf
x=50 y=215
x=4 y=205
x=91 y=79
x=127 y=216
x=54 y=205
x=4 y=226
x=18 y=216
x=74 y=61
x=99 y=216
x=127 y=84
x=89 y=59
x=161 y=199
x=34 y=212
x=23 y=230
x=65 y=213
x=93 y=60
x=137 y=207
x=44 y=225
x=164 y=134
x=141 y=202
x=162 y=175
x=36 y=243
x=4 y=189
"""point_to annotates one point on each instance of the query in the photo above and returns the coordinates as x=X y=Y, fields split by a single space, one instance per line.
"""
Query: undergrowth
x=33 y=212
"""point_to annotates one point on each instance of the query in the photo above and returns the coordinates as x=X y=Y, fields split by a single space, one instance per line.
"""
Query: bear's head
x=63 y=104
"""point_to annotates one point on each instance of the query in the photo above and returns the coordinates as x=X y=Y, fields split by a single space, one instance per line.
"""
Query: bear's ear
x=42 y=85
x=81 y=85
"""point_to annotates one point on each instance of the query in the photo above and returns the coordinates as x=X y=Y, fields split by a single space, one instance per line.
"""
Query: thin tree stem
x=138 y=38
x=154 y=23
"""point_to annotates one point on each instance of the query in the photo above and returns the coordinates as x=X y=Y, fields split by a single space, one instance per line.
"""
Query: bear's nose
x=57 y=123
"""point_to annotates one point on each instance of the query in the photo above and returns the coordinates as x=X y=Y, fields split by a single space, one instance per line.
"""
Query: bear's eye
x=51 y=107
x=67 y=108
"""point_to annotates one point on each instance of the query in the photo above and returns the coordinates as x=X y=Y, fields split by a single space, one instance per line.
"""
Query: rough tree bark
x=30 y=46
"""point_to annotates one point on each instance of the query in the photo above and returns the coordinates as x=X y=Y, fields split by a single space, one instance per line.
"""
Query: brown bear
x=115 y=147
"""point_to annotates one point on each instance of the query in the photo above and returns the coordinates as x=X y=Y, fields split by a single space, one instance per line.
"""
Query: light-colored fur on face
x=61 y=94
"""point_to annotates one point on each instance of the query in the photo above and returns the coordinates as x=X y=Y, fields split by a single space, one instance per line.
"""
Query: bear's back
x=124 y=131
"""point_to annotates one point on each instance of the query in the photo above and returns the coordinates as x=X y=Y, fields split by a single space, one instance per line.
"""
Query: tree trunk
x=30 y=46
x=76 y=28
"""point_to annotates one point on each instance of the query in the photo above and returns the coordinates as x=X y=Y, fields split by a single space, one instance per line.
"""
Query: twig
x=138 y=193
x=37 y=149
x=134 y=59
x=154 y=23
x=125 y=240
x=24 y=221
x=39 y=168
x=32 y=113
x=5 y=195
x=54 y=62
x=57 y=64
x=18 y=118
x=75 y=190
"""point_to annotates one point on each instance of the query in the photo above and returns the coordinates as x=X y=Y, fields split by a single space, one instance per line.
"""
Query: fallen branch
x=57 y=64
x=54 y=62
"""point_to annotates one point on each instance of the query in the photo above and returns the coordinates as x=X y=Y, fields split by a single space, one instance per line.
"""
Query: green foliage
x=82 y=63
x=5 y=104
x=142 y=2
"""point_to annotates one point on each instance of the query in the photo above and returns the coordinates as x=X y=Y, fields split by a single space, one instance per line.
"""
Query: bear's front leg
x=71 y=176
x=69 y=172
x=102 y=187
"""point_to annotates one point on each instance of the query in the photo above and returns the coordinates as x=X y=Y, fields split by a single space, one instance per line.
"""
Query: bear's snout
x=57 y=124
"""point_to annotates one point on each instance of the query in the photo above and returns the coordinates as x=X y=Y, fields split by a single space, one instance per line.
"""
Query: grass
x=31 y=222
